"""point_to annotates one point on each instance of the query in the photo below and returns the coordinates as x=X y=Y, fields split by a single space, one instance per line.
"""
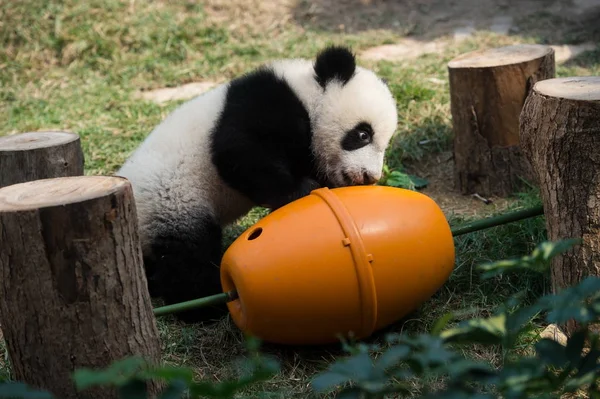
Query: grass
x=77 y=66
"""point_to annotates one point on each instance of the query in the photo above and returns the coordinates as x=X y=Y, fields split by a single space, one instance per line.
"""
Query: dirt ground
x=429 y=19
x=426 y=20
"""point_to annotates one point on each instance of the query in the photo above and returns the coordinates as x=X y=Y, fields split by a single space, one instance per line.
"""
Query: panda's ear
x=334 y=63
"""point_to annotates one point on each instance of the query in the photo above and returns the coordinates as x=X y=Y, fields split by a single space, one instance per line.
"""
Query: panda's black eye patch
x=361 y=135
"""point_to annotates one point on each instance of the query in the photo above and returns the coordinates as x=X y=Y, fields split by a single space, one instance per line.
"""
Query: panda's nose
x=368 y=178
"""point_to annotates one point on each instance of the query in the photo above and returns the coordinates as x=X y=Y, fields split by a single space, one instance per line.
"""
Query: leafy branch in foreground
x=551 y=372
x=538 y=260
x=131 y=375
x=18 y=390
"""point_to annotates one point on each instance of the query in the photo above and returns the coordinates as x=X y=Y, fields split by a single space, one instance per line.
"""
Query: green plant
x=551 y=372
x=397 y=178
x=131 y=375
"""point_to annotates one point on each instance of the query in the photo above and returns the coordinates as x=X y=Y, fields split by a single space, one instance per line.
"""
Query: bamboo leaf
x=18 y=390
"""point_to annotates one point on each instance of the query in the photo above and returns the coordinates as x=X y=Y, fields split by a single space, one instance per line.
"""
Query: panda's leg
x=186 y=260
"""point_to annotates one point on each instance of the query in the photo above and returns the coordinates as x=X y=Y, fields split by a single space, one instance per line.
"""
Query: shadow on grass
x=556 y=21
x=587 y=59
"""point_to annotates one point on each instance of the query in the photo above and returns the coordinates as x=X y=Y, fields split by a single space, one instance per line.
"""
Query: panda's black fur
x=261 y=146
x=266 y=128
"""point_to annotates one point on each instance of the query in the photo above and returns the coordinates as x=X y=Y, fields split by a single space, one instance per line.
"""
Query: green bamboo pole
x=477 y=225
x=497 y=220
x=196 y=303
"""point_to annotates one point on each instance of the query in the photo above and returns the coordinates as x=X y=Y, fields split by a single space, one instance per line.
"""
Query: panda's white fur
x=284 y=126
x=172 y=172
x=338 y=109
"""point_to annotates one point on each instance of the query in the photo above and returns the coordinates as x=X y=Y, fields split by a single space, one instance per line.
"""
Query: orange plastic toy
x=352 y=259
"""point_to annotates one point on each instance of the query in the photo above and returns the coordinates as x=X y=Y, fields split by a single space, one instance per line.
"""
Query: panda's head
x=353 y=120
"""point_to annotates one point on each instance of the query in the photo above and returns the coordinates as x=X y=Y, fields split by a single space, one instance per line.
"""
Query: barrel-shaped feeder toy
x=338 y=261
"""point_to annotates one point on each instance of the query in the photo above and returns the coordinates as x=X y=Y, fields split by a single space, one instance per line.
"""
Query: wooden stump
x=487 y=92
x=39 y=155
x=560 y=134
x=73 y=291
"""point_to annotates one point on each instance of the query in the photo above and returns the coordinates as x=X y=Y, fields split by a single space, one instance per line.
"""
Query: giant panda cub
x=264 y=139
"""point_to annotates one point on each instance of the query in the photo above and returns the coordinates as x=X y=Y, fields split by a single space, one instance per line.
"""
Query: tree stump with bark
x=73 y=292
x=39 y=155
x=560 y=134
x=487 y=92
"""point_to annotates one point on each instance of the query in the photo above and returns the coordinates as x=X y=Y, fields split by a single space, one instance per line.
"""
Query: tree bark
x=73 y=292
x=39 y=155
x=487 y=92
x=560 y=134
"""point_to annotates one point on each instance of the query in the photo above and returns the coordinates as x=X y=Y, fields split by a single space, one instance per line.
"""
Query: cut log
x=39 y=155
x=560 y=135
x=73 y=292
x=487 y=92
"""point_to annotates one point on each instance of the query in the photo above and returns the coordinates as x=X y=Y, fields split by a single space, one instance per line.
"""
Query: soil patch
x=438 y=169
x=430 y=19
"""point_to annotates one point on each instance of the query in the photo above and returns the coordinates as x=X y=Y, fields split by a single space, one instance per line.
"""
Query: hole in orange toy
x=255 y=234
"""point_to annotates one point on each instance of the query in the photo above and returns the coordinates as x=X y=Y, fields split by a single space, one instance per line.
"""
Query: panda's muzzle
x=368 y=179
x=364 y=179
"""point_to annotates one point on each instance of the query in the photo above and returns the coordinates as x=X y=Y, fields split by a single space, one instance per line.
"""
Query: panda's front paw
x=304 y=188
x=309 y=185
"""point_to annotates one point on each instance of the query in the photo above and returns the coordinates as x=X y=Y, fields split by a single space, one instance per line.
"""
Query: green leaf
x=578 y=382
x=168 y=373
x=18 y=390
x=538 y=260
x=483 y=331
x=206 y=389
x=120 y=372
x=589 y=363
x=357 y=367
x=433 y=355
x=175 y=390
x=134 y=389
x=516 y=321
x=572 y=302
x=551 y=352
x=376 y=385
x=468 y=370
x=252 y=343
x=399 y=179
x=441 y=323
x=392 y=356
x=350 y=393
x=516 y=378
x=550 y=250
x=418 y=182
x=328 y=380
x=257 y=368
x=575 y=346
